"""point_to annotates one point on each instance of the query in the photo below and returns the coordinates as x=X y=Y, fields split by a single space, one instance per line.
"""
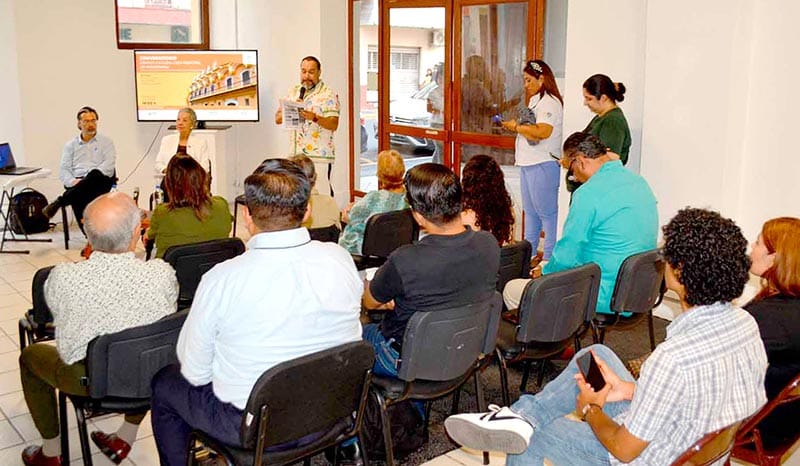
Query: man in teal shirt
x=613 y=215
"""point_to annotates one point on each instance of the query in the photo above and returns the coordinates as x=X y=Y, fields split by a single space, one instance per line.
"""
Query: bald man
x=109 y=292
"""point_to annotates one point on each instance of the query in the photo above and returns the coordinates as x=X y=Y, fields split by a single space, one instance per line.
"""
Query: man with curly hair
x=708 y=374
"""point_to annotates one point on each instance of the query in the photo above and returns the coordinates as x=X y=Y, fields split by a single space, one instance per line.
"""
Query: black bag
x=26 y=212
x=408 y=429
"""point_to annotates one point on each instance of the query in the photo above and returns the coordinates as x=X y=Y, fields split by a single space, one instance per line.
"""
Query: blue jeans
x=539 y=185
x=385 y=356
x=562 y=440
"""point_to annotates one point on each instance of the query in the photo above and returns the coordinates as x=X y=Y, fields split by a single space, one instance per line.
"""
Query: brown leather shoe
x=112 y=446
x=32 y=456
x=86 y=251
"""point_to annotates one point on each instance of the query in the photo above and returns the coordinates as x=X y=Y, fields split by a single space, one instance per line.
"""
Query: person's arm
x=567 y=252
x=109 y=154
x=385 y=286
x=533 y=132
x=616 y=438
x=197 y=340
x=65 y=173
x=165 y=152
x=329 y=113
x=279 y=114
x=152 y=231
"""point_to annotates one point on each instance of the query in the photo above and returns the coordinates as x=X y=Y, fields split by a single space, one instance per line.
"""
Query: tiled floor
x=16 y=427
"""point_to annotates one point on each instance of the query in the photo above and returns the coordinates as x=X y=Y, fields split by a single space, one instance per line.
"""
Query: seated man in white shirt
x=286 y=297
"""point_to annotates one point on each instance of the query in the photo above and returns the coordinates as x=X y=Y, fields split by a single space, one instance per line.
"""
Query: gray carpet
x=627 y=344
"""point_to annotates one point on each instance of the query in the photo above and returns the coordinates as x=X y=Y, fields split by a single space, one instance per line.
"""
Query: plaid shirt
x=709 y=373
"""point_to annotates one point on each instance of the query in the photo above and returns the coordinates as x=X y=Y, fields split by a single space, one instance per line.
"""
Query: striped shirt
x=708 y=374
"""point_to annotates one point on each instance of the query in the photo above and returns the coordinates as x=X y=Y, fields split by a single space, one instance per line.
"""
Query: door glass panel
x=493 y=51
x=365 y=71
x=416 y=88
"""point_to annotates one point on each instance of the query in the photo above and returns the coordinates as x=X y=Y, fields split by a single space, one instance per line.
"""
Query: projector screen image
x=219 y=85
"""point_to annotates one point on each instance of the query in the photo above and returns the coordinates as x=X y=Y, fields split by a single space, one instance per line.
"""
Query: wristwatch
x=587 y=408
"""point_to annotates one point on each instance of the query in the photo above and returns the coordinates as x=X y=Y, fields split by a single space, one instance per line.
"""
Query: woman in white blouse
x=183 y=142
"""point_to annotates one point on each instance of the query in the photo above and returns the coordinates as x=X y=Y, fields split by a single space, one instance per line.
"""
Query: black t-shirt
x=439 y=272
x=778 y=319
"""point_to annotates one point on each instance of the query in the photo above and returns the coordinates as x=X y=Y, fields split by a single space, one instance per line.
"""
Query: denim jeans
x=385 y=356
x=562 y=440
x=539 y=185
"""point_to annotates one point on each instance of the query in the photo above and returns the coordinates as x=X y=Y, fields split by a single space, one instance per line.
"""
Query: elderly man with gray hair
x=109 y=292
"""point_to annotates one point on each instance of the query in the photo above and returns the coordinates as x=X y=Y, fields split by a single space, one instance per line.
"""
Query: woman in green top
x=191 y=215
x=601 y=95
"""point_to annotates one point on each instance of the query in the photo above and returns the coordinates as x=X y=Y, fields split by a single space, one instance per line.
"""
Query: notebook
x=7 y=164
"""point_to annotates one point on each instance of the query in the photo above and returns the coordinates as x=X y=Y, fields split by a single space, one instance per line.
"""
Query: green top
x=612 y=129
x=181 y=226
x=613 y=215
x=375 y=202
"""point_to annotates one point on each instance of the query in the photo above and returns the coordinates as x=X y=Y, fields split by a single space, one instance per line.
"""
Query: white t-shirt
x=548 y=110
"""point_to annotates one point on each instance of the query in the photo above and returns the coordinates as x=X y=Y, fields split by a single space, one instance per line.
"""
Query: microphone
x=302 y=92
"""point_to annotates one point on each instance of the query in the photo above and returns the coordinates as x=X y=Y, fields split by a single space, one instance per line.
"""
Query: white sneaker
x=498 y=430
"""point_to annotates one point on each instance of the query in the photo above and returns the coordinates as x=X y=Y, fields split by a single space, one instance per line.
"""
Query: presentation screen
x=219 y=85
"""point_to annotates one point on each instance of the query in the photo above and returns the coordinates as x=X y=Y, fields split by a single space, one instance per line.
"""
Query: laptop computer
x=7 y=164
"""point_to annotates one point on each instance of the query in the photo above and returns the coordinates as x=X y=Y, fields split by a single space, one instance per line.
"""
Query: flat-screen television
x=219 y=85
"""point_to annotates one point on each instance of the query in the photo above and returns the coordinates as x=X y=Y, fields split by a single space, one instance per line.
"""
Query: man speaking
x=320 y=115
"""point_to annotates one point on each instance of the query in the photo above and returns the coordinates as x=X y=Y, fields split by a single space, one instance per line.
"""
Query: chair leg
x=65 y=226
x=307 y=461
x=652 y=330
x=456 y=401
x=23 y=334
x=540 y=376
x=481 y=401
x=235 y=216
x=526 y=372
x=595 y=338
x=83 y=435
x=362 y=449
x=501 y=366
x=387 y=430
x=64 y=428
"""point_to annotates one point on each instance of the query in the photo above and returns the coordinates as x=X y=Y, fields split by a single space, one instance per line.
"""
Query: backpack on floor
x=26 y=212
x=407 y=426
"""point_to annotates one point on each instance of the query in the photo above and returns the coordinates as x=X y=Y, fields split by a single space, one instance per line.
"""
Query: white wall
x=10 y=117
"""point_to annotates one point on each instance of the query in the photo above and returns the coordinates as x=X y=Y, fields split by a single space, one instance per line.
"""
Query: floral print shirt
x=314 y=140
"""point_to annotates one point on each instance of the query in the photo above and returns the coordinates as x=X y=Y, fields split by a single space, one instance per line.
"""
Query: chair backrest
x=191 y=261
x=40 y=311
x=709 y=449
x=554 y=306
x=329 y=234
x=789 y=394
x=457 y=336
x=639 y=283
x=515 y=262
x=387 y=231
x=309 y=393
x=122 y=364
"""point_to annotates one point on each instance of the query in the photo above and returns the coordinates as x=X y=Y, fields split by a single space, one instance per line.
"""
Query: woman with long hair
x=776 y=259
x=537 y=146
x=390 y=196
x=487 y=205
x=191 y=215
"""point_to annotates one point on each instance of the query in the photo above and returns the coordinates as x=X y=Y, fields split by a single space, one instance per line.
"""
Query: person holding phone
x=707 y=375
x=538 y=130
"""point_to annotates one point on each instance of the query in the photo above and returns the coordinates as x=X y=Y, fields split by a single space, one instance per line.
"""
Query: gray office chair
x=639 y=288
x=323 y=393
x=119 y=369
x=554 y=310
x=384 y=233
x=441 y=350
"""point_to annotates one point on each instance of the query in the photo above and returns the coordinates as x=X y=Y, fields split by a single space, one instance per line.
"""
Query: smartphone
x=591 y=371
